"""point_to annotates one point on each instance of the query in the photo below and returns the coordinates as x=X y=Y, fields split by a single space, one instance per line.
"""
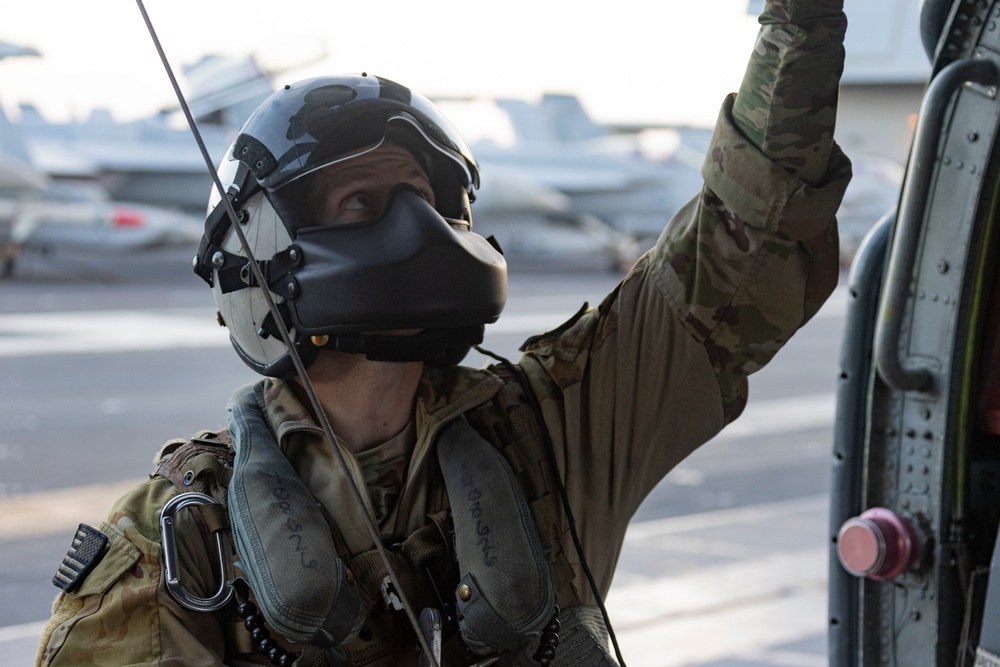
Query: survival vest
x=426 y=562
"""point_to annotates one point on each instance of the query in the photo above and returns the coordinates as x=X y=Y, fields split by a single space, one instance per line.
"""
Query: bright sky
x=668 y=61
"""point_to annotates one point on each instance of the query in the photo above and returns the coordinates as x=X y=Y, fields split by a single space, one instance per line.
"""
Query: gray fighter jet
x=59 y=204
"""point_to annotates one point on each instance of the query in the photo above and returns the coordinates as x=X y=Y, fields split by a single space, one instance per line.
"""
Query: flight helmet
x=412 y=267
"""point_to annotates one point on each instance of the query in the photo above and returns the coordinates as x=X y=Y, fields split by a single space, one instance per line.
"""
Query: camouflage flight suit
x=627 y=390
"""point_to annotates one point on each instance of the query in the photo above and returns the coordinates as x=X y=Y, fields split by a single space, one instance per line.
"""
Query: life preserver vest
x=428 y=562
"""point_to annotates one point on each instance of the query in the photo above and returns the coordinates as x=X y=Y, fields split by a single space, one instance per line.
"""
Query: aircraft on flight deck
x=59 y=205
x=557 y=187
x=155 y=163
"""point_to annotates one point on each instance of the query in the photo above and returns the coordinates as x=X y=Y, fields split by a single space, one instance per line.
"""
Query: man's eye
x=359 y=202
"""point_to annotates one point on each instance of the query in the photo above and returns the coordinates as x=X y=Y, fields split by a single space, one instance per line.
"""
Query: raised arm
x=633 y=387
x=753 y=259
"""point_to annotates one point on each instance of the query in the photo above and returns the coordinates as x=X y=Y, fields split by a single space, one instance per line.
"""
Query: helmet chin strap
x=368 y=522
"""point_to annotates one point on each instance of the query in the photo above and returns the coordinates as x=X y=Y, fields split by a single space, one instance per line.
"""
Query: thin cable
x=529 y=394
x=286 y=338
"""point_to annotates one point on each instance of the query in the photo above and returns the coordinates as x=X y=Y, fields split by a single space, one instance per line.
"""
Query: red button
x=879 y=544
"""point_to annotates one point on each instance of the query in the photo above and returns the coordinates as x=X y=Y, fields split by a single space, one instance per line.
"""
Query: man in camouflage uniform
x=626 y=390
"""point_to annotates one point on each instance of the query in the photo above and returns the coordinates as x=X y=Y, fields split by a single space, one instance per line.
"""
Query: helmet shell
x=317 y=122
x=413 y=267
x=245 y=311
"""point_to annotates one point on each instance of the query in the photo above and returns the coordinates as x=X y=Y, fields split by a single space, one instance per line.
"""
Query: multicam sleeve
x=121 y=614
x=631 y=388
x=760 y=254
x=787 y=104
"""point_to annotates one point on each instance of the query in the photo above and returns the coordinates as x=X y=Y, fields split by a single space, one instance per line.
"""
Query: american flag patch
x=85 y=553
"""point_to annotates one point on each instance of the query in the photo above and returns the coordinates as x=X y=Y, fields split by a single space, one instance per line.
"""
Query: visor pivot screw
x=292 y=288
x=464 y=593
x=293 y=254
x=241 y=217
x=320 y=341
x=218 y=260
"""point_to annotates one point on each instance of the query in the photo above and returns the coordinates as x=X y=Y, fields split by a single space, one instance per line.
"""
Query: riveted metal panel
x=919 y=457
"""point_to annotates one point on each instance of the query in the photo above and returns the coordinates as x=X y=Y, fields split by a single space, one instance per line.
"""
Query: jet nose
x=879 y=544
